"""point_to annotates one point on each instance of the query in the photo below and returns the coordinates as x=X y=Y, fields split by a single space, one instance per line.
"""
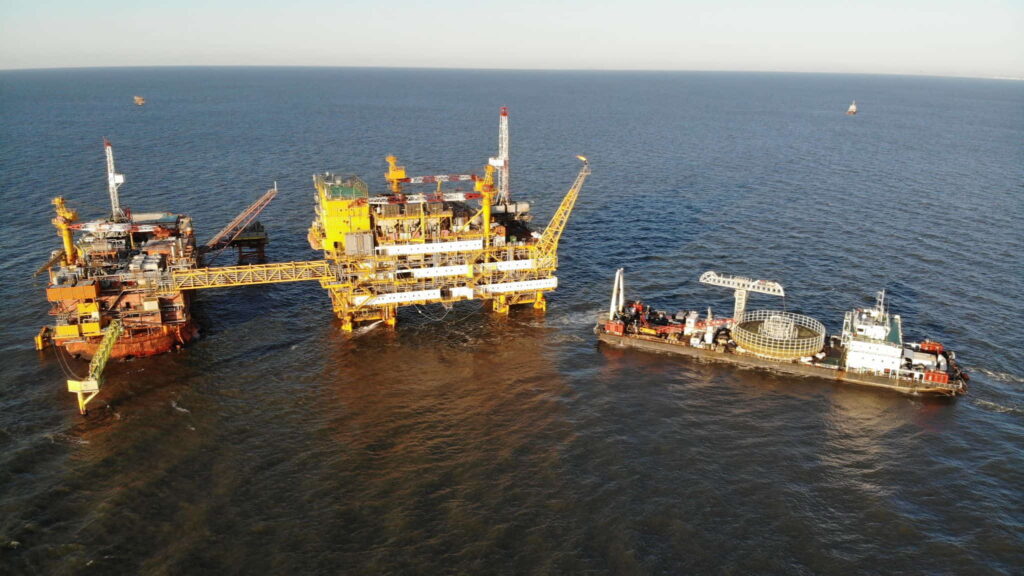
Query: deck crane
x=63 y=221
x=741 y=285
x=88 y=388
x=547 y=246
x=396 y=176
x=114 y=181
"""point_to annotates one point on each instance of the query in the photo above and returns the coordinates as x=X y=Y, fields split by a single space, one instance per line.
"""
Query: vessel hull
x=159 y=341
x=653 y=344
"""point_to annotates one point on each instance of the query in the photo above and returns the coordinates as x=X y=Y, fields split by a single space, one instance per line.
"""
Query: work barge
x=121 y=286
x=870 y=351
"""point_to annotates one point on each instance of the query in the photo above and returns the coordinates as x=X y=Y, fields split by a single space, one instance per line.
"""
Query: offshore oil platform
x=120 y=286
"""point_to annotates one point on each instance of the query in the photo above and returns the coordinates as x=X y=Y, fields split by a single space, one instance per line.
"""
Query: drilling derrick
x=501 y=161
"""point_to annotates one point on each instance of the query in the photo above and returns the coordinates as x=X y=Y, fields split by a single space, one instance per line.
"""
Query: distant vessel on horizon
x=139 y=100
x=852 y=109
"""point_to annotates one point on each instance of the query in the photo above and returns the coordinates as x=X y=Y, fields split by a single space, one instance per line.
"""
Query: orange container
x=929 y=346
x=616 y=328
x=58 y=293
x=936 y=377
x=87 y=290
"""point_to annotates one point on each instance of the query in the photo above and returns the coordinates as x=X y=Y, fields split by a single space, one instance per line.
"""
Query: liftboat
x=870 y=351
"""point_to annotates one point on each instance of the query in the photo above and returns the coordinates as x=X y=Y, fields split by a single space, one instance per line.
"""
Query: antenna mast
x=114 y=181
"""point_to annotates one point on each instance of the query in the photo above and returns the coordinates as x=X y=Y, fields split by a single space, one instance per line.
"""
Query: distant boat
x=139 y=100
x=852 y=109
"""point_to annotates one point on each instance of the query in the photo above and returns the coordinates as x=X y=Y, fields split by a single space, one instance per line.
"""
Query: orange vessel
x=112 y=268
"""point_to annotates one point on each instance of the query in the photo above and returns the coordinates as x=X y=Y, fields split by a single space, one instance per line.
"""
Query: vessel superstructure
x=870 y=350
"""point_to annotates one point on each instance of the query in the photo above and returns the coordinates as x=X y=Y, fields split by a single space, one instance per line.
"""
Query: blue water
x=479 y=444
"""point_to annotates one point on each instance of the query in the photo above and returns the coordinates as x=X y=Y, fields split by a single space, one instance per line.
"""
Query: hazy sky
x=941 y=37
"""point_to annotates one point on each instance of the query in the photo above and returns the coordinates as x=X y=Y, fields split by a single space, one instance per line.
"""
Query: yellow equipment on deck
x=62 y=221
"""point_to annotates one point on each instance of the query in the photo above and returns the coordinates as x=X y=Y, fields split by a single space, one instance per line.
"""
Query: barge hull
x=159 y=341
x=658 y=345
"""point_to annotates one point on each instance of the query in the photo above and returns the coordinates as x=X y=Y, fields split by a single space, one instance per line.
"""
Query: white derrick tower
x=501 y=160
x=114 y=181
x=741 y=285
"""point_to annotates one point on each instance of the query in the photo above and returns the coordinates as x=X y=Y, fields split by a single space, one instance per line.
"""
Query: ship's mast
x=501 y=160
x=114 y=181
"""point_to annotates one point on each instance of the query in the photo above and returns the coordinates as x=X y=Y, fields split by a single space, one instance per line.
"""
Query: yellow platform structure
x=402 y=249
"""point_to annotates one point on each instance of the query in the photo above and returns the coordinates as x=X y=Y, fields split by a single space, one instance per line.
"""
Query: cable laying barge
x=870 y=351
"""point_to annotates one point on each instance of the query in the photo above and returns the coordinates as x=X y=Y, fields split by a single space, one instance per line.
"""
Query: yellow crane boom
x=62 y=221
x=547 y=246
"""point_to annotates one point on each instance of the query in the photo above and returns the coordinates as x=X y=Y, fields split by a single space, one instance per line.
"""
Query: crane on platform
x=89 y=387
x=547 y=246
x=741 y=285
x=63 y=220
x=114 y=181
x=396 y=176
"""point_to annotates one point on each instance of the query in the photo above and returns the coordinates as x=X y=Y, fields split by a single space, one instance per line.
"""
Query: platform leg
x=43 y=338
x=540 y=302
x=84 y=399
x=500 y=305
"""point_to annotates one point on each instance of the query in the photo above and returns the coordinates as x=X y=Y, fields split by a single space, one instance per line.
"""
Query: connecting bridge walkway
x=225 y=276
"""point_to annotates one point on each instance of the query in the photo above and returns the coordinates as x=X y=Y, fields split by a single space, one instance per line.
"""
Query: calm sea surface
x=477 y=444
